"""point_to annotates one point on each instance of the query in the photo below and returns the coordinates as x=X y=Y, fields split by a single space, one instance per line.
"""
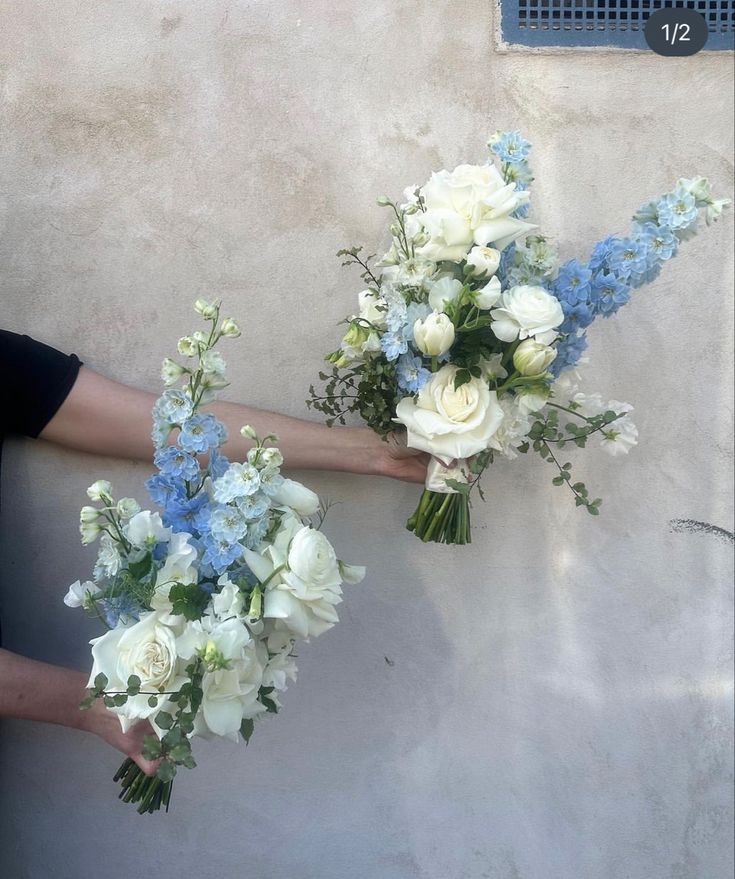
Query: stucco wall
x=552 y=702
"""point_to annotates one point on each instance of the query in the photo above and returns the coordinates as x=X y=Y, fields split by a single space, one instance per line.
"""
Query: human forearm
x=31 y=690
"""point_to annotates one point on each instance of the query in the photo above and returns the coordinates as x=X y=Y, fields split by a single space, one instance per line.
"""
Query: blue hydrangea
x=609 y=293
x=568 y=352
x=573 y=283
x=175 y=463
x=201 y=433
x=411 y=373
x=677 y=209
x=510 y=147
x=227 y=524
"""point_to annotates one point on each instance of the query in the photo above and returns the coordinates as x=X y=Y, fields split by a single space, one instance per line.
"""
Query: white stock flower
x=450 y=422
x=443 y=291
x=527 y=311
x=108 y=557
x=532 y=358
x=78 y=592
x=297 y=496
x=513 y=428
x=415 y=272
x=146 y=649
x=470 y=205
x=483 y=261
x=435 y=334
x=487 y=296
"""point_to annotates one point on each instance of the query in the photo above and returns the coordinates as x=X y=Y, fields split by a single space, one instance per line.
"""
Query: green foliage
x=246 y=729
x=188 y=600
x=264 y=696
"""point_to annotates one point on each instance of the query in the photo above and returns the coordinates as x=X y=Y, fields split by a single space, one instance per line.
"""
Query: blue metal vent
x=605 y=22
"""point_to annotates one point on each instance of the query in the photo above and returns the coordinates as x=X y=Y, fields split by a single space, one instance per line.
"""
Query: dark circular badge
x=676 y=31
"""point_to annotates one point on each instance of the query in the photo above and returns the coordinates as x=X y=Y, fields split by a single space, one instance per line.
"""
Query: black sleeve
x=34 y=381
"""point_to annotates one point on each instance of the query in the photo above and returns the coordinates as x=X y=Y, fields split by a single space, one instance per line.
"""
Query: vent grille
x=605 y=22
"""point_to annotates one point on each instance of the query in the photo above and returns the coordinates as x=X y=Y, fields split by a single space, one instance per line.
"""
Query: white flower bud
x=171 y=372
x=483 y=262
x=127 y=507
x=88 y=514
x=532 y=358
x=89 y=531
x=383 y=201
x=208 y=310
x=435 y=334
x=487 y=296
x=249 y=432
x=188 y=347
x=201 y=337
x=230 y=328
x=99 y=491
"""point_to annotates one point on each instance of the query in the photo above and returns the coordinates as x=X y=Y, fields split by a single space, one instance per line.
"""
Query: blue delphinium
x=393 y=344
x=412 y=375
x=568 y=352
x=201 y=433
x=175 y=463
x=677 y=209
x=510 y=146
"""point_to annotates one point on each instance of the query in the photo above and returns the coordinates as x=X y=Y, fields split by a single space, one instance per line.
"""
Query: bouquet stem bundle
x=149 y=792
x=442 y=518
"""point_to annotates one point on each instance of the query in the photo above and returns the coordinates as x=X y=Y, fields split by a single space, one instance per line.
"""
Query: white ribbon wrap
x=438 y=472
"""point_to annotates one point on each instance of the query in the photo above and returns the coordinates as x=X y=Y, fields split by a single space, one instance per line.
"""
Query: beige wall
x=556 y=704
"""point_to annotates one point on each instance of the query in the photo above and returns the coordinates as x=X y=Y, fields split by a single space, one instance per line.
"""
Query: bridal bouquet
x=204 y=601
x=469 y=330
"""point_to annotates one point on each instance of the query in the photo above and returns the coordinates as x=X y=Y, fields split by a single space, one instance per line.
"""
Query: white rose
x=146 y=649
x=297 y=496
x=484 y=261
x=487 y=296
x=469 y=205
x=444 y=291
x=527 y=311
x=450 y=422
x=435 y=334
x=532 y=358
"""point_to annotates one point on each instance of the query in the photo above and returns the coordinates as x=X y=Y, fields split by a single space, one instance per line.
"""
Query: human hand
x=105 y=724
x=400 y=462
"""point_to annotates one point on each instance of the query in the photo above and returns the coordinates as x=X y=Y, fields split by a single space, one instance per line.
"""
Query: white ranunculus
x=450 y=422
x=532 y=358
x=483 y=261
x=78 y=592
x=297 y=496
x=443 y=291
x=146 y=649
x=470 y=205
x=527 y=311
x=146 y=529
x=487 y=296
x=435 y=334
x=372 y=308
x=311 y=557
